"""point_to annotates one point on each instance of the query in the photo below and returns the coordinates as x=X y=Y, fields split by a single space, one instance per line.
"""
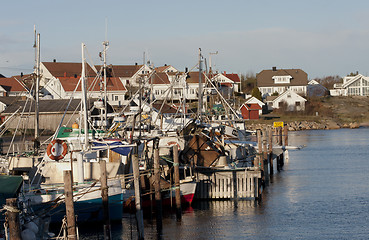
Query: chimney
x=54 y=60
x=136 y=64
x=274 y=69
x=186 y=69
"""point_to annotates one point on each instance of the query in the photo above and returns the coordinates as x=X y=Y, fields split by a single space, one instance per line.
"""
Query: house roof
x=8 y=100
x=12 y=85
x=124 y=70
x=270 y=98
x=48 y=106
x=265 y=77
x=285 y=93
x=159 y=78
x=67 y=69
x=113 y=84
x=193 y=77
x=162 y=68
x=233 y=76
x=254 y=100
x=251 y=106
x=166 y=109
x=354 y=79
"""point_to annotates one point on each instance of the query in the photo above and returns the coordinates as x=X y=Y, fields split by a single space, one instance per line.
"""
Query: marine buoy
x=171 y=143
x=57 y=149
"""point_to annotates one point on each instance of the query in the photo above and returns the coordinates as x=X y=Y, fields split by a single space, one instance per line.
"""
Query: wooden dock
x=228 y=183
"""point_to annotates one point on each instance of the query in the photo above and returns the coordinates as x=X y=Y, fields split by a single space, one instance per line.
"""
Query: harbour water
x=322 y=193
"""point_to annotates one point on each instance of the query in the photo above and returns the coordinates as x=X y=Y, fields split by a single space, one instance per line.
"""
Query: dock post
x=270 y=151
x=280 y=136
x=265 y=158
x=158 y=203
x=105 y=199
x=69 y=205
x=136 y=180
x=285 y=131
x=260 y=154
x=13 y=219
x=177 y=183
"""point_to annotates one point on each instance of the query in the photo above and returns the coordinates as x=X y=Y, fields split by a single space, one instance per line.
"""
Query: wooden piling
x=13 y=219
x=105 y=199
x=158 y=202
x=270 y=151
x=265 y=158
x=258 y=159
x=177 y=183
x=136 y=181
x=69 y=205
x=280 y=142
x=285 y=133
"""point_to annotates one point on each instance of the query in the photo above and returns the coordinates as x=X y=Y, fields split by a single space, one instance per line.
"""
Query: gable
x=255 y=100
x=356 y=81
x=289 y=95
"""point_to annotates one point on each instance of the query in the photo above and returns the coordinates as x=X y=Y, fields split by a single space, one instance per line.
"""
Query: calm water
x=322 y=193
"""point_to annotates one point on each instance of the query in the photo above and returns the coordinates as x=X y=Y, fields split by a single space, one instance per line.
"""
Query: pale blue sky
x=322 y=37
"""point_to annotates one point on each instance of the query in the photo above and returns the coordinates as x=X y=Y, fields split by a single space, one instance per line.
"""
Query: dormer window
x=282 y=79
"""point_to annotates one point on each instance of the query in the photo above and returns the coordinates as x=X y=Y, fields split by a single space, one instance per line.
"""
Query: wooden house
x=250 y=111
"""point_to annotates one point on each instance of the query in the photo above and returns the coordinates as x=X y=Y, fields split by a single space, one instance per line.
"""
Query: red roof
x=159 y=78
x=67 y=69
x=226 y=84
x=113 y=84
x=233 y=76
x=11 y=85
x=193 y=77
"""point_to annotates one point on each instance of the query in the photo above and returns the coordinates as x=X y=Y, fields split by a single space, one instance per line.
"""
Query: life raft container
x=57 y=149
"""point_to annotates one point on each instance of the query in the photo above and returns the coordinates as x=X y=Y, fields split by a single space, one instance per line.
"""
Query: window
x=116 y=98
x=297 y=104
x=282 y=79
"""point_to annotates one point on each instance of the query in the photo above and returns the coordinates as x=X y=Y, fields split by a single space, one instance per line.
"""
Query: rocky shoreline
x=306 y=125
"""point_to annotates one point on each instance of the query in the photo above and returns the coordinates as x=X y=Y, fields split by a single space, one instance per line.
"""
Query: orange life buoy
x=57 y=149
x=171 y=143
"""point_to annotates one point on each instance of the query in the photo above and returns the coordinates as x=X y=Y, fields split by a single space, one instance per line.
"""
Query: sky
x=321 y=37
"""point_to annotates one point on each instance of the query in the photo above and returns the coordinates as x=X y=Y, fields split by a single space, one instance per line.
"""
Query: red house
x=250 y=111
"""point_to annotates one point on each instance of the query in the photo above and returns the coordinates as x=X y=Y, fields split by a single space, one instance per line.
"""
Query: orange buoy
x=57 y=149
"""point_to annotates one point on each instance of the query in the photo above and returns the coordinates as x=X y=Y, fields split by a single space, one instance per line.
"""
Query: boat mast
x=37 y=94
x=105 y=120
x=199 y=108
x=84 y=96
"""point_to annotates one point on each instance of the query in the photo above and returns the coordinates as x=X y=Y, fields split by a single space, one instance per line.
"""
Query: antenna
x=210 y=66
x=106 y=29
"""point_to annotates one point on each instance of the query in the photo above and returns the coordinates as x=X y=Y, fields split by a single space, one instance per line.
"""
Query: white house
x=280 y=80
x=352 y=86
x=292 y=100
x=66 y=88
x=166 y=69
